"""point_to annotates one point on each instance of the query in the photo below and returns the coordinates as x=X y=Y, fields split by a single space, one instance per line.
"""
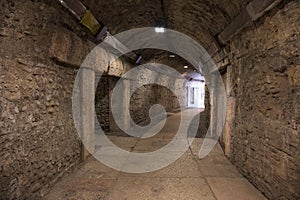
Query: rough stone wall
x=102 y=103
x=266 y=80
x=148 y=95
x=204 y=116
x=140 y=102
x=166 y=98
x=38 y=141
x=142 y=98
x=112 y=81
x=172 y=96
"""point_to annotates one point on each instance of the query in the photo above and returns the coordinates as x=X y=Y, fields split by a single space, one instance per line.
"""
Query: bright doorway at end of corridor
x=196 y=91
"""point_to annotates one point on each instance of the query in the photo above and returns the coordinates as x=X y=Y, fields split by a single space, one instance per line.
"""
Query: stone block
x=68 y=48
x=294 y=75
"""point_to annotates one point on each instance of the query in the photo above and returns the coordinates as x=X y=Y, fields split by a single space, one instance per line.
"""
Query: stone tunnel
x=160 y=99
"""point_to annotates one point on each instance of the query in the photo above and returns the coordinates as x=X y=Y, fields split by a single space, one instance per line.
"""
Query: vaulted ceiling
x=202 y=20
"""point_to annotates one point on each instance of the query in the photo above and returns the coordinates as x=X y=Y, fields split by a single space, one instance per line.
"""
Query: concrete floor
x=188 y=178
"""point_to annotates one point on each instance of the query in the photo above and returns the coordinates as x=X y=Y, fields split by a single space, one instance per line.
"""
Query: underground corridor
x=160 y=99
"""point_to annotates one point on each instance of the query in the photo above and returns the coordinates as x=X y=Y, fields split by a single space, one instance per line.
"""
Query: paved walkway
x=188 y=178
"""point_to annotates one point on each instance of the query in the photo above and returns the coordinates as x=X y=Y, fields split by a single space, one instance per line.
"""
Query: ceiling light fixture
x=159 y=29
x=185 y=67
x=160 y=25
x=172 y=56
